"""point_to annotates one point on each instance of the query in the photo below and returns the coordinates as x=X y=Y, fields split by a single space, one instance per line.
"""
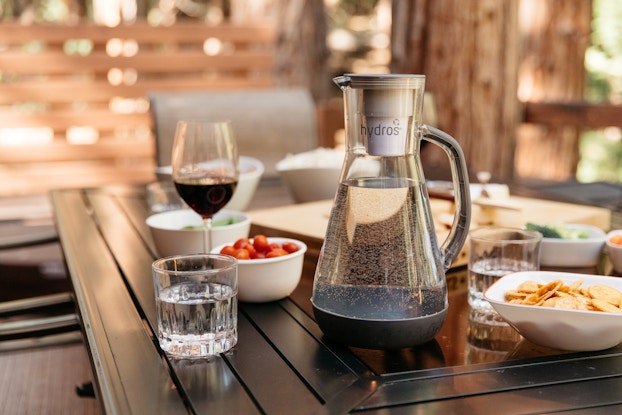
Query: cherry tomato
x=240 y=243
x=276 y=252
x=244 y=243
x=274 y=245
x=257 y=255
x=260 y=242
x=242 y=253
x=616 y=239
x=290 y=247
x=228 y=250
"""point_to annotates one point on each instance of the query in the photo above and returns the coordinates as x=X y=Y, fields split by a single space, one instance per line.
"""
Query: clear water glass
x=493 y=253
x=197 y=304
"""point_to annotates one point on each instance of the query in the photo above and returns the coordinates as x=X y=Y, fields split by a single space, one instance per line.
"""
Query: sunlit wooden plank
x=581 y=115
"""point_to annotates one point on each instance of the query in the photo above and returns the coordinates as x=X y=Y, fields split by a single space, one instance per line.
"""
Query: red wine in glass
x=206 y=195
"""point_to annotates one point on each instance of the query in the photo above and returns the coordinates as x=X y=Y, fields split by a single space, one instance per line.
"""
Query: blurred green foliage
x=601 y=150
x=603 y=60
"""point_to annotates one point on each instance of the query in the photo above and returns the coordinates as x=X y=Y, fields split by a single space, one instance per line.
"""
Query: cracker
x=556 y=294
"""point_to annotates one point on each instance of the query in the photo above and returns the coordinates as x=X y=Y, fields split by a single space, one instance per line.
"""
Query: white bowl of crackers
x=566 y=311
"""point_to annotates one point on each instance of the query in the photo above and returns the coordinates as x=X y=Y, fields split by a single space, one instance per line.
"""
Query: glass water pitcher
x=380 y=279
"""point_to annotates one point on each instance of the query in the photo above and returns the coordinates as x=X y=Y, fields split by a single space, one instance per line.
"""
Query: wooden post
x=555 y=35
x=302 y=53
x=468 y=51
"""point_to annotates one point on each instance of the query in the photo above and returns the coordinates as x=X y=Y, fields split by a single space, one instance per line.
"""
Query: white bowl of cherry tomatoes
x=269 y=268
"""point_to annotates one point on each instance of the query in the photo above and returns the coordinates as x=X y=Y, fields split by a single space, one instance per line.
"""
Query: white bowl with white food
x=251 y=171
x=180 y=231
x=580 y=246
x=558 y=328
x=312 y=175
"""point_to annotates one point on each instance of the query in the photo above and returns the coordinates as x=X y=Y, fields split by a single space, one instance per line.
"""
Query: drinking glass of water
x=197 y=304
x=495 y=252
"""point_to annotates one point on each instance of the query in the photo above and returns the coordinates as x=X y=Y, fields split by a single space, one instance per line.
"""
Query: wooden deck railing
x=580 y=115
x=73 y=99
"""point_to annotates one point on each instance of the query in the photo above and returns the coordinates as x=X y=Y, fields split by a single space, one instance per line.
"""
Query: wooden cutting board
x=308 y=221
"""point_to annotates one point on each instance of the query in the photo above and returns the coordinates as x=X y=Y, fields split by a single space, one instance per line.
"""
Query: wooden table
x=282 y=363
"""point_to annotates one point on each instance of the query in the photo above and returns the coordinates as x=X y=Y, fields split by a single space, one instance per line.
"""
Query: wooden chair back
x=268 y=123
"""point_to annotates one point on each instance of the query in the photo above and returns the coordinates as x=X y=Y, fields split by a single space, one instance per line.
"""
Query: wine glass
x=205 y=168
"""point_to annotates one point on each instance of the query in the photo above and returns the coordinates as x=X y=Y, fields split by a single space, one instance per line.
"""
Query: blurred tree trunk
x=468 y=50
x=480 y=57
x=555 y=36
x=302 y=52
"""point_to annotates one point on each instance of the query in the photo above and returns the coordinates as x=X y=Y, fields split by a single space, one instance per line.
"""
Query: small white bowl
x=251 y=170
x=573 y=253
x=312 y=183
x=614 y=251
x=269 y=279
x=312 y=175
x=170 y=237
x=564 y=329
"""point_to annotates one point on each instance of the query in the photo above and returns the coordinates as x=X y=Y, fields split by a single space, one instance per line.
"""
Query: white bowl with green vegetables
x=180 y=231
x=570 y=245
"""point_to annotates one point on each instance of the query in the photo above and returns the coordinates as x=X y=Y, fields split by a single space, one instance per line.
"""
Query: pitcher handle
x=462 y=216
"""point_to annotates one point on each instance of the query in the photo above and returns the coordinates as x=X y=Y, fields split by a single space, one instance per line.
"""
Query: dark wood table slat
x=136 y=210
x=314 y=363
x=614 y=409
x=212 y=387
x=129 y=250
x=132 y=377
x=275 y=385
x=498 y=378
x=585 y=397
x=342 y=353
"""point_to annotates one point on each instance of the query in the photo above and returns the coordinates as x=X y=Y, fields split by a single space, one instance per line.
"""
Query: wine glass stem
x=207 y=235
